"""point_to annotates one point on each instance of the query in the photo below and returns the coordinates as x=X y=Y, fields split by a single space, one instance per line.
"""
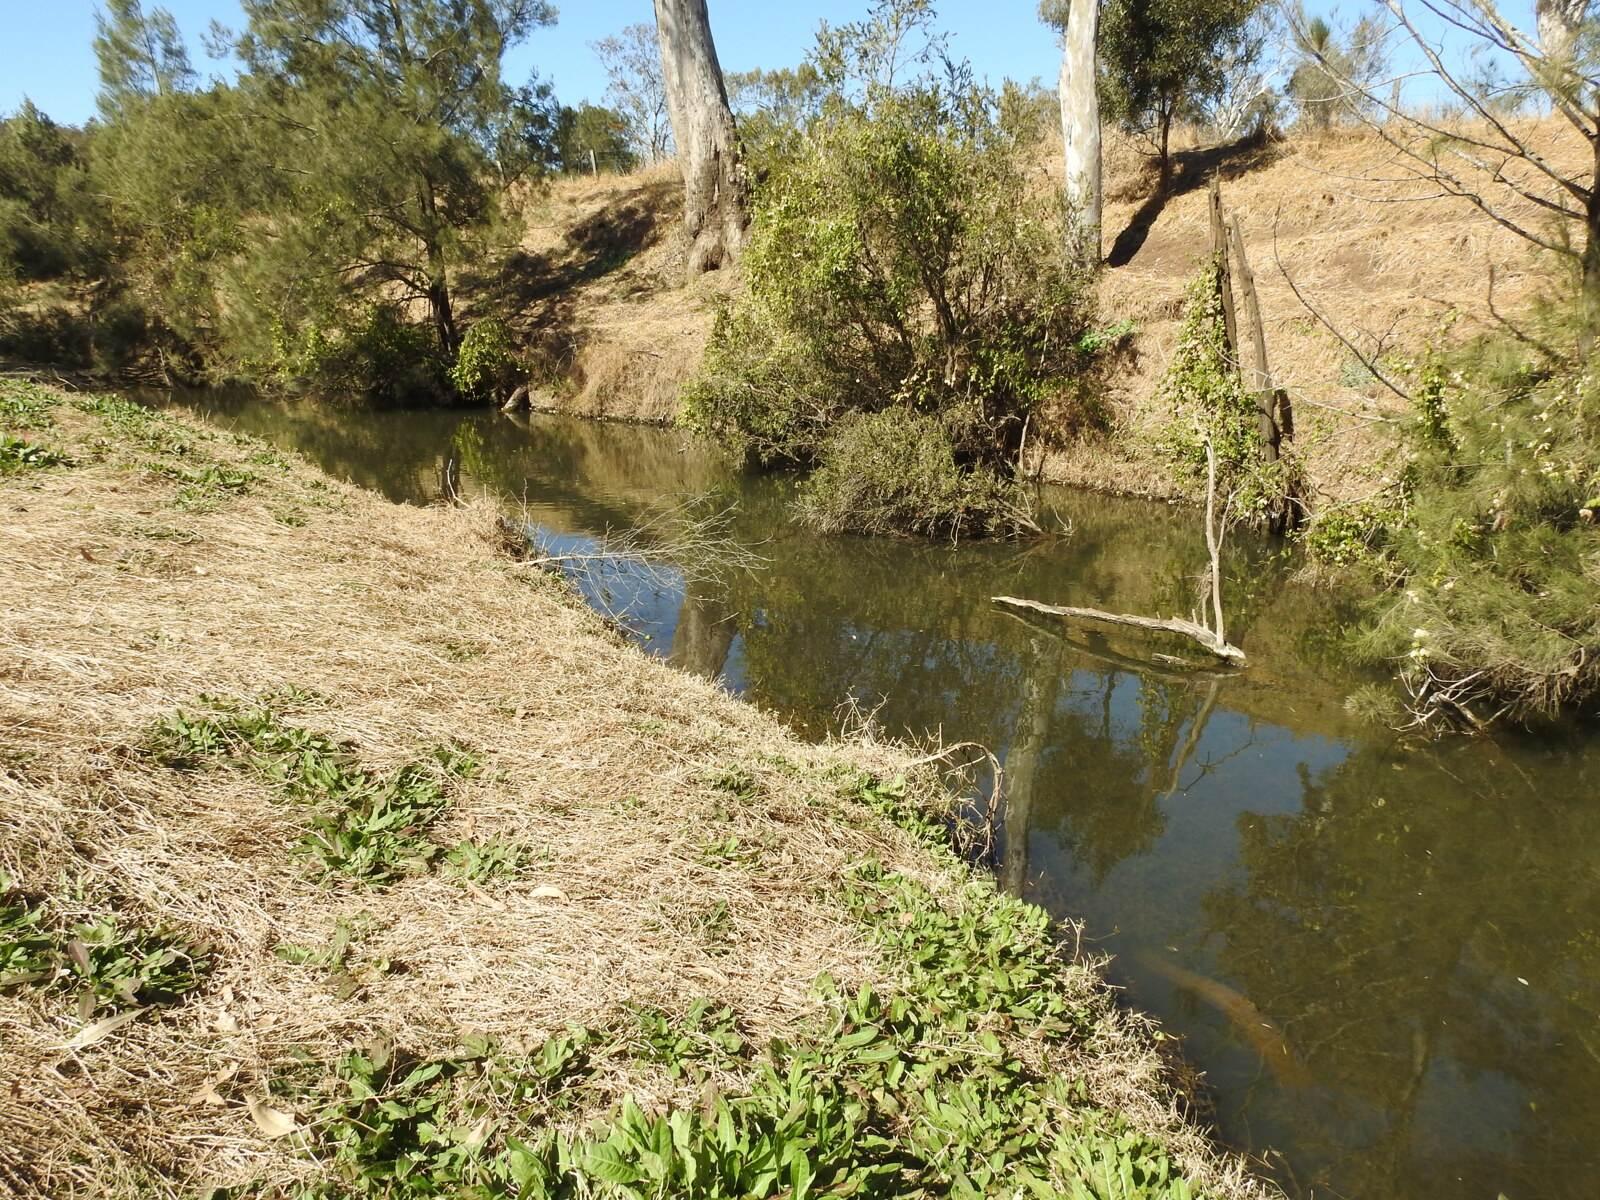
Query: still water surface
x=1385 y=961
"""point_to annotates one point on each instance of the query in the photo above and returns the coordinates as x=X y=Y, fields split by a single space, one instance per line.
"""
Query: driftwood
x=1195 y=632
x=1158 y=666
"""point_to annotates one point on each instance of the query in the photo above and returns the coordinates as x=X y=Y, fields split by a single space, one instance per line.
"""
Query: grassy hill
x=598 y=288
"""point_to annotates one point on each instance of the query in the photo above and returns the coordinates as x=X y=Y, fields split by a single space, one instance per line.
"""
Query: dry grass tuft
x=402 y=630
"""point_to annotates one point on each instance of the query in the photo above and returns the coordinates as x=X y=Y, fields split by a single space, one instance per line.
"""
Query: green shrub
x=1350 y=535
x=905 y=259
x=20 y=454
x=486 y=366
x=896 y=471
x=1497 y=558
x=383 y=358
x=1203 y=391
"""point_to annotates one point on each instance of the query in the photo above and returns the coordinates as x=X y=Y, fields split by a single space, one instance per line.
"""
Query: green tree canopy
x=139 y=54
x=593 y=128
x=390 y=133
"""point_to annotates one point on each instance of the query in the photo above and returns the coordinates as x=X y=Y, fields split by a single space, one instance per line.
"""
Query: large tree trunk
x=1558 y=23
x=1080 y=129
x=715 y=191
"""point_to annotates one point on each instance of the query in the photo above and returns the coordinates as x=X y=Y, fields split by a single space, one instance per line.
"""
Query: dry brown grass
x=1363 y=242
x=605 y=294
x=409 y=630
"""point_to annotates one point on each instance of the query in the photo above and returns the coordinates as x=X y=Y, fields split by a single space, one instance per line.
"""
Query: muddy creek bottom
x=1386 y=962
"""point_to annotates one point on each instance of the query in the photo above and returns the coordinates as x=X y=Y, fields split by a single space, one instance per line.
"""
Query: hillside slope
x=598 y=290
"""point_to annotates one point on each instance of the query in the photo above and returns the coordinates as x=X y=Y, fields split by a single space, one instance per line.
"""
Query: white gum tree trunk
x=715 y=191
x=1080 y=128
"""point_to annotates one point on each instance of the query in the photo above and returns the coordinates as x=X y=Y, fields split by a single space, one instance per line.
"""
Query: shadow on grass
x=1191 y=170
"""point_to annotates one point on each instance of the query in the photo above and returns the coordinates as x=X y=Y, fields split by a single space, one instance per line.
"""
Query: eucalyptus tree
x=1079 y=22
x=391 y=137
x=716 y=191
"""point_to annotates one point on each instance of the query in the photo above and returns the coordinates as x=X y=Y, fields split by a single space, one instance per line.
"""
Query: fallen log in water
x=1196 y=633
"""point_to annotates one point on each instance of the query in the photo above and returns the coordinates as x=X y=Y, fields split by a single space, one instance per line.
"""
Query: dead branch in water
x=1192 y=630
x=1213 y=640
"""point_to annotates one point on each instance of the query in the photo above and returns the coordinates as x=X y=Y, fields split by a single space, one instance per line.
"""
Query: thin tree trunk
x=715 y=189
x=1591 y=259
x=1080 y=130
x=439 y=306
x=1166 y=139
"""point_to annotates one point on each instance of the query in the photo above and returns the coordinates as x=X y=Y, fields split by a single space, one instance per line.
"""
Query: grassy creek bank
x=345 y=856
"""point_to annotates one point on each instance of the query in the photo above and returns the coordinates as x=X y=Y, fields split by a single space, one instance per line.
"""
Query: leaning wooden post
x=1262 y=390
x=1219 y=248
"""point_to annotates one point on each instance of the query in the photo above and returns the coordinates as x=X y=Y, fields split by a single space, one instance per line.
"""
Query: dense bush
x=1491 y=541
x=896 y=471
x=906 y=258
x=383 y=358
x=487 y=366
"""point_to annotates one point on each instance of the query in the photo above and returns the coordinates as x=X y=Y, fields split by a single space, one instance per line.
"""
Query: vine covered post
x=1219 y=247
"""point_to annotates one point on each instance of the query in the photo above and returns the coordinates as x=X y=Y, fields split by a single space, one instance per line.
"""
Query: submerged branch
x=1192 y=630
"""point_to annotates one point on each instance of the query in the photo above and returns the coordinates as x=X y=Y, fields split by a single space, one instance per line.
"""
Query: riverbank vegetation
x=1487 y=547
x=910 y=307
x=353 y=858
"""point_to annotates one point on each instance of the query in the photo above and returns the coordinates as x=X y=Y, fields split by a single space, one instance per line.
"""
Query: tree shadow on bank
x=536 y=291
x=1191 y=170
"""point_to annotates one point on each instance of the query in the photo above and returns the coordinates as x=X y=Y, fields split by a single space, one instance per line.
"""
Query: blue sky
x=48 y=57
x=49 y=60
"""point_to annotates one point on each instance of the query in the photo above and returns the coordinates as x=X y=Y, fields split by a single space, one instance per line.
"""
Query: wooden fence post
x=1219 y=247
x=1265 y=395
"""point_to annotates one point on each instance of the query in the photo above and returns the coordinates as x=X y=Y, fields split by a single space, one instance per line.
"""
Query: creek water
x=1384 y=960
